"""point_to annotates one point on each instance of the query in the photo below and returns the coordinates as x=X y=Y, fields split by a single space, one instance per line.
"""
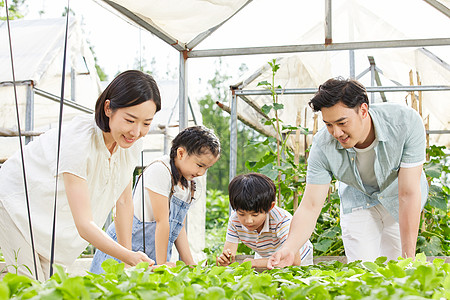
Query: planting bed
x=405 y=279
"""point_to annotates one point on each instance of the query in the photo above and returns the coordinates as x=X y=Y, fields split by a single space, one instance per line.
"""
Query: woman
x=97 y=159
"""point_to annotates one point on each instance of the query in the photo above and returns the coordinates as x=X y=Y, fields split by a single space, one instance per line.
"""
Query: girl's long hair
x=195 y=140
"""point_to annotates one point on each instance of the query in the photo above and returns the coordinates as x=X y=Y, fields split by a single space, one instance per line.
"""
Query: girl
x=97 y=158
x=170 y=186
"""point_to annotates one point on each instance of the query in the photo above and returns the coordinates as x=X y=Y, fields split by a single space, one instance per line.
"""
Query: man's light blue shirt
x=401 y=140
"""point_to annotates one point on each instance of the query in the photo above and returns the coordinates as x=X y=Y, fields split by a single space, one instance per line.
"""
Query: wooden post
x=305 y=136
x=413 y=96
x=315 y=125
x=297 y=154
x=419 y=82
x=427 y=127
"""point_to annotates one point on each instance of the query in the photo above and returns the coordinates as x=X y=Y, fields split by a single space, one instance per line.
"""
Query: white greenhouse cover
x=306 y=70
x=241 y=24
x=38 y=57
x=182 y=20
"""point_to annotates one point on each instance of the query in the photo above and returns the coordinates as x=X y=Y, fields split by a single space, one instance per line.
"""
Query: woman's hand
x=136 y=257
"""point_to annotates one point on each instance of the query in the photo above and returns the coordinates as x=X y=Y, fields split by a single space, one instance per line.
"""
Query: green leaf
x=323 y=245
x=112 y=266
x=371 y=266
x=433 y=170
x=432 y=247
x=4 y=290
x=278 y=106
x=263 y=83
x=437 y=198
x=266 y=108
x=215 y=293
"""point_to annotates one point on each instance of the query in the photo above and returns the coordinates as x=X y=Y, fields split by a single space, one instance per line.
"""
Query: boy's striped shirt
x=272 y=236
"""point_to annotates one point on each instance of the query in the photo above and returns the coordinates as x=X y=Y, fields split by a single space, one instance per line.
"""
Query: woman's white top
x=157 y=178
x=84 y=154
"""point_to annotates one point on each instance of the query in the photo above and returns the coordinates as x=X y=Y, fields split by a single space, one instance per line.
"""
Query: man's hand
x=226 y=258
x=280 y=259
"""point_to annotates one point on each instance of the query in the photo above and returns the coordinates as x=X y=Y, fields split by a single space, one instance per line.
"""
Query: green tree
x=15 y=8
x=215 y=118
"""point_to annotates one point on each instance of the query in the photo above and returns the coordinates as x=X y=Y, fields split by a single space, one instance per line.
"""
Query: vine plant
x=279 y=163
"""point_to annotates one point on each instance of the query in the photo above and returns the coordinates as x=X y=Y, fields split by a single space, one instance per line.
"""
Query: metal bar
x=179 y=46
x=435 y=58
x=202 y=36
x=439 y=6
x=254 y=106
x=438 y=131
x=362 y=73
x=351 y=58
x=72 y=84
x=320 y=47
x=328 y=23
x=182 y=95
x=377 y=77
x=425 y=88
x=69 y=103
x=233 y=136
x=10 y=83
x=29 y=113
x=372 y=79
x=192 y=111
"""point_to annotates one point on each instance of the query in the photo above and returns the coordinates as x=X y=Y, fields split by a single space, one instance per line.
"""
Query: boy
x=257 y=222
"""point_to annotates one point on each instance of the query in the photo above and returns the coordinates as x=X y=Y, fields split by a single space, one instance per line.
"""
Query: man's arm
x=302 y=225
x=409 y=200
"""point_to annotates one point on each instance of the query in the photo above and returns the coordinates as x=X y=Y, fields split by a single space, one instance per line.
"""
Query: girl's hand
x=170 y=264
x=137 y=257
x=225 y=258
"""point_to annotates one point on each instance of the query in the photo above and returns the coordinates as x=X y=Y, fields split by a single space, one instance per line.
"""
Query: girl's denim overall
x=177 y=213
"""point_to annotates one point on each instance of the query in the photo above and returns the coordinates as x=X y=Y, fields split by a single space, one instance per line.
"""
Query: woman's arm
x=78 y=198
x=182 y=245
x=160 y=205
x=124 y=217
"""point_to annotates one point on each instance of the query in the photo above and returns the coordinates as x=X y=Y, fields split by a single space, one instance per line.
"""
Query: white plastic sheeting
x=38 y=47
x=354 y=23
x=182 y=20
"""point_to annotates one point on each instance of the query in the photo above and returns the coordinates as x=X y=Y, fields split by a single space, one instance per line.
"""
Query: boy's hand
x=225 y=258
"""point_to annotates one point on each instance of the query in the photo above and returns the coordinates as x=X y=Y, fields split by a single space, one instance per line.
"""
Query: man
x=377 y=157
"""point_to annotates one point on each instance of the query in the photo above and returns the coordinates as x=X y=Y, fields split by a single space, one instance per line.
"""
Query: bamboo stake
x=419 y=82
x=413 y=96
x=297 y=155
x=427 y=127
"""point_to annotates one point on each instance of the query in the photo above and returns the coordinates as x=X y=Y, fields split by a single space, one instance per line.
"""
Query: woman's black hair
x=348 y=91
x=195 y=140
x=129 y=88
x=252 y=192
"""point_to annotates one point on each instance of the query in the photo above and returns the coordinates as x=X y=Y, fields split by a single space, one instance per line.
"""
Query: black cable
x=61 y=104
x=143 y=197
x=20 y=141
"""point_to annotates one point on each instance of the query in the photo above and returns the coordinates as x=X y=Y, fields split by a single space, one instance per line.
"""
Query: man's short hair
x=252 y=192
x=348 y=91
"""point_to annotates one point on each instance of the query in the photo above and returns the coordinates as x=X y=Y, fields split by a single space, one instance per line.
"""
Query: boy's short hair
x=252 y=192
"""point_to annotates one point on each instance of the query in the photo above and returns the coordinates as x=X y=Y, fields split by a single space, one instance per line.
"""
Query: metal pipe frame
x=424 y=88
x=182 y=95
x=233 y=135
x=69 y=103
x=320 y=47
